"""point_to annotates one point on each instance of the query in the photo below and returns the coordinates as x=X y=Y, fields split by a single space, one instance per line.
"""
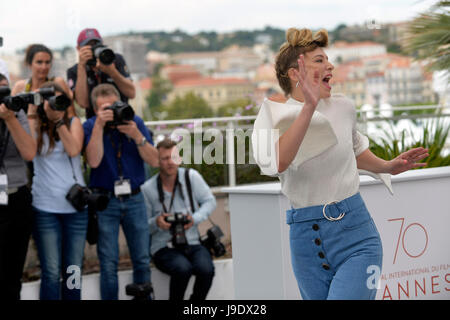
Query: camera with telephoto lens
x=212 y=241
x=14 y=103
x=141 y=291
x=122 y=112
x=21 y=101
x=79 y=196
x=177 y=222
x=5 y=91
x=102 y=53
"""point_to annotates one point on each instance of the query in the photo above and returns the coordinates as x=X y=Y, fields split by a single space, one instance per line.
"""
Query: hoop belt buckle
x=331 y=218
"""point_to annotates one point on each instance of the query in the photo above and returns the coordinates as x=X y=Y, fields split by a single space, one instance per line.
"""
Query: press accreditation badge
x=122 y=187
x=3 y=189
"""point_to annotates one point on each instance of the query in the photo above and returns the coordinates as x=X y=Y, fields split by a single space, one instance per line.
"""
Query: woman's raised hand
x=309 y=84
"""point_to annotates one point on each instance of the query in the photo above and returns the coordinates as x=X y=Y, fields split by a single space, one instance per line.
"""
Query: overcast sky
x=57 y=23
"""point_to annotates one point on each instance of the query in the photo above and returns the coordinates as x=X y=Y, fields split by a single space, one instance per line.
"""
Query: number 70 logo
x=402 y=234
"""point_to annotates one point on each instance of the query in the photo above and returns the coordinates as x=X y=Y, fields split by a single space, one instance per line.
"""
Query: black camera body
x=212 y=241
x=5 y=91
x=17 y=102
x=79 y=196
x=59 y=103
x=122 y=112
x=141 y=291
x=21 y=100
x=102 y=53
x=177 y=222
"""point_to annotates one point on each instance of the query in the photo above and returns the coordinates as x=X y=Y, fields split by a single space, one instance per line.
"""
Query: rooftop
x=208 y=81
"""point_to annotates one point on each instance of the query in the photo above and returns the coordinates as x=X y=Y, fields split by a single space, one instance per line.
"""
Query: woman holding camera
x=38 y=58
x=59 y=230
x=16 y=217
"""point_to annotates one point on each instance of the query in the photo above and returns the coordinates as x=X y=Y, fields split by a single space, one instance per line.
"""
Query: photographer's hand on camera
x=190 y=224
x=104 y=115
x=108 y=69
x=161 y=222
x=125 y=85
x=84 y=55
x=131 y=130
x=147 y=152
x=53 y=115
x=5 y=113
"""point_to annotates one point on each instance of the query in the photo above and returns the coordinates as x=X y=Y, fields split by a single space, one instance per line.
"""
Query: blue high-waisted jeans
x=60 y=240
x=338 y=259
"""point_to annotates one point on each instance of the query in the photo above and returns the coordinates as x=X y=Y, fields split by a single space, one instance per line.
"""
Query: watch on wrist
x=59 y=123
x=142 y=143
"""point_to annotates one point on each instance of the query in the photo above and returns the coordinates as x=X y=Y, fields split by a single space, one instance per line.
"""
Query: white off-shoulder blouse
x=324 y=169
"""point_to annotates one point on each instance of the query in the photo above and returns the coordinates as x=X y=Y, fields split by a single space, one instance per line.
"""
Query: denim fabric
x=60 y=240
x=335 y=259
x=181 y=264
x=130 y=212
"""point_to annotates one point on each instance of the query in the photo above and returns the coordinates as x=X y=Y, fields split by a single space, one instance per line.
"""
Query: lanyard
x=118 y=154
x=161 y=193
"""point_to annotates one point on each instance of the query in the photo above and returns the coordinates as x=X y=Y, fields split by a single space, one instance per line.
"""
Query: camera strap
x=189 y=190
x=70 y=159
x=3 y=144
x=161 y=193
x=73 y=171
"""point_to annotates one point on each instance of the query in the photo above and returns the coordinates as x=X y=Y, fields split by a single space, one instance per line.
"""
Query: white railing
x=228 y=124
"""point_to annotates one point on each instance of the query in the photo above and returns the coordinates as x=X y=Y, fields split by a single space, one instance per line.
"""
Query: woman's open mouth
x=326 y=80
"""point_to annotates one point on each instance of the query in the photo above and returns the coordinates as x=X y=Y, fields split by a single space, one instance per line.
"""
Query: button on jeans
x=335 y=259
x=60 y=240
x=130 y=212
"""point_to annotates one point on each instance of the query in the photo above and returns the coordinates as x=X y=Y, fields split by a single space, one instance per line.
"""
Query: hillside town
x=369 y=72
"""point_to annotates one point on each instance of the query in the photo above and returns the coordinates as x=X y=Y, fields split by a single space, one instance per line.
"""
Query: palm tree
x=429 y=37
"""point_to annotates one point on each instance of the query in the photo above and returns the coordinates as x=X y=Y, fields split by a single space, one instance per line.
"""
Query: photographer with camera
x=97 y=64
x=59 y=228
x=117 y=144
x=38 y=58
x=16 y=218
x=175 y=242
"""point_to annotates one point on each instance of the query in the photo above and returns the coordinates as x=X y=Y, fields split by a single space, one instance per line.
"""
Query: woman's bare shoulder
x=18 y=87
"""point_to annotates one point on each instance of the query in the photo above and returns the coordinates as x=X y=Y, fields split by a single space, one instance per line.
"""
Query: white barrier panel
x=413 y=225
x=221 y=288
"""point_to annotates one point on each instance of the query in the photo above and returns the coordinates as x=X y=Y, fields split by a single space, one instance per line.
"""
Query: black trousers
x=16 y=220
x=181 y=264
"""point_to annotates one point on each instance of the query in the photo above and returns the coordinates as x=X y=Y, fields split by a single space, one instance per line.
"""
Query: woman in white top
x=59 y=229
x=312 y=145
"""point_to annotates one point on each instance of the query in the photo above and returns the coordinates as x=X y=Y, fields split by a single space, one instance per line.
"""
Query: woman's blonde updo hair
x=298 y=41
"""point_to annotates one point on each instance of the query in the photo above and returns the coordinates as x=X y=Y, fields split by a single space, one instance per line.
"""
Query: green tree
x=160 y=88
x=429 y=36
x=239 y=107
x=434 y=137
x=336 y=33
x=189 y=107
